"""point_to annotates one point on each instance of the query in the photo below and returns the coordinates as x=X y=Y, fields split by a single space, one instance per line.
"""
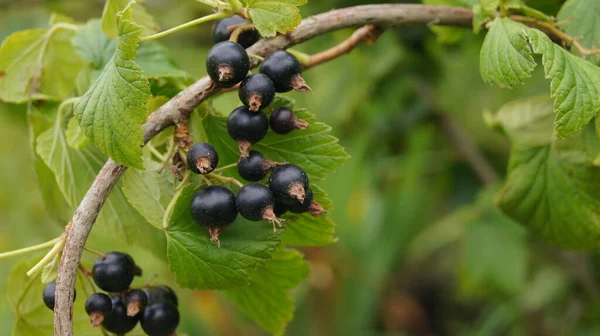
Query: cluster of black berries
x=228 y=64
x=118 y=312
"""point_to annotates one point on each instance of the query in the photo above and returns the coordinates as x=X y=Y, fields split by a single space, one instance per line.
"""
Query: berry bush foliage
x=224 y=198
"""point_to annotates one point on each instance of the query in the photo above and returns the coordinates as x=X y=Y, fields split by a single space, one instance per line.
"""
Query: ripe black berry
x=279 y=208
x=255 y=166
x=202 y=158
x=49 y=295
x=256 y=92
x=160 y=319
x=117 y=321
x=288 y=182
x=221 y=33
x=135 y=300
x=255 y=202
x=214 y=207
x=247 y=127
x=98 y=306
x=284 y=70
x=227 y=63
x=309 y=205
x=160 y=294
x=114 y=272
x=283 y=121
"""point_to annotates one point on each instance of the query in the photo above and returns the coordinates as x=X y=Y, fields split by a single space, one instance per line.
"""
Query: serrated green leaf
x=266 y=300
x=110 y=17
x=275 y=16
x=113 y=109
x=75 y=136
x=527 y=121
x=32 y=316
x=38 y=64
x=581 y=19
x=198 y=263
x=505 y=57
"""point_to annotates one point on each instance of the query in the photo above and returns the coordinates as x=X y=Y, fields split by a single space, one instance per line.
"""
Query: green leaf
x=113 y=109
x=266 y=300
x=553 y=188
x=198 y=263
x=32 y=316
x=505 y=57
x=110 y=17
x=75 y=136
x=50 y=271
x=38 y=64
x=581 y=20
x=275 y=16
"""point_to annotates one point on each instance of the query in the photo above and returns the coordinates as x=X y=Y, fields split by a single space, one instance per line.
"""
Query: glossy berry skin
x=98 y=303
x=282 y=120
x=281 y=67
x=283 y=178
x=160 y=294
x=253 y=199
x=297 y=207
x=227 y=63
x=214 y=207
x=160 y=319
x=114 y=272
x=244 y=125
x=253 y=167
x=136 y=298
x=49 y=295
x=279 y=208
x=256 y=92
x=202 y=158
x=117 y=321
x=220 y=33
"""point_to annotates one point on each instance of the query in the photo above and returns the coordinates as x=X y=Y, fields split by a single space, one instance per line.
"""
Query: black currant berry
x=118 y=322
x=283 y=121
x=279 y=208
x=247 y=127
x=309 y=205
x=49 y=294
x=214 y=207
x=255 y=202
x=98 y=306
x=135 y=300
x=160 y=294
x=227 y=63
x=288 y=183
x=256 y=92
x=221 y=32
x=202 y=158
x=255 y=166
x=114 y=272
x=160 y=319
x=284 y=70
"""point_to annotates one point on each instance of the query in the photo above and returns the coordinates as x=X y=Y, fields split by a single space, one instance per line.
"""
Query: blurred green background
x=421 y=250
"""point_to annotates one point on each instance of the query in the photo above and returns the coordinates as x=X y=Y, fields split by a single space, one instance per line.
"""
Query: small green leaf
x=527 y=121
x=75 y=136
x=581 y=19
x=50 y=271
x=266 y=300
x=275 y=16
x=200 y=264
x=113 y=109
x=110 y=17
x=505 y=57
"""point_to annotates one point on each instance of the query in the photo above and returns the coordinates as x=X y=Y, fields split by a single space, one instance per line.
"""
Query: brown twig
x=171 y=113
x=367 y=34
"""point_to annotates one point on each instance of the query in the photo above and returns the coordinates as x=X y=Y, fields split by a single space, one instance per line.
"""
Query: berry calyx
x=135 y=301
x=288 y=183
x=98 y=306
x=160 y=319
x=214 y=207
x=202 y=158
x=160 y=294
x=256 y=92
x=49 y=295
x=283 y=120
x=255 y=202
x=284 y=70
x=117 y=321
x=255 y=166
x=114 y=272
x=247 y=127
x=221 y=31
x=309 y=205
x=227 y=63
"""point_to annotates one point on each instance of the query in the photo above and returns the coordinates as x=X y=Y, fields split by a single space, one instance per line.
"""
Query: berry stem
x=98 y=253
x=86 y=274
x=178 y=191
x=303 y=58
x=225 y=167
x=239 y=29
x=29 y=249
x=207 y=18
x=260 y=58
x=156 y=153
x=58 y=246
x=225 y=179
